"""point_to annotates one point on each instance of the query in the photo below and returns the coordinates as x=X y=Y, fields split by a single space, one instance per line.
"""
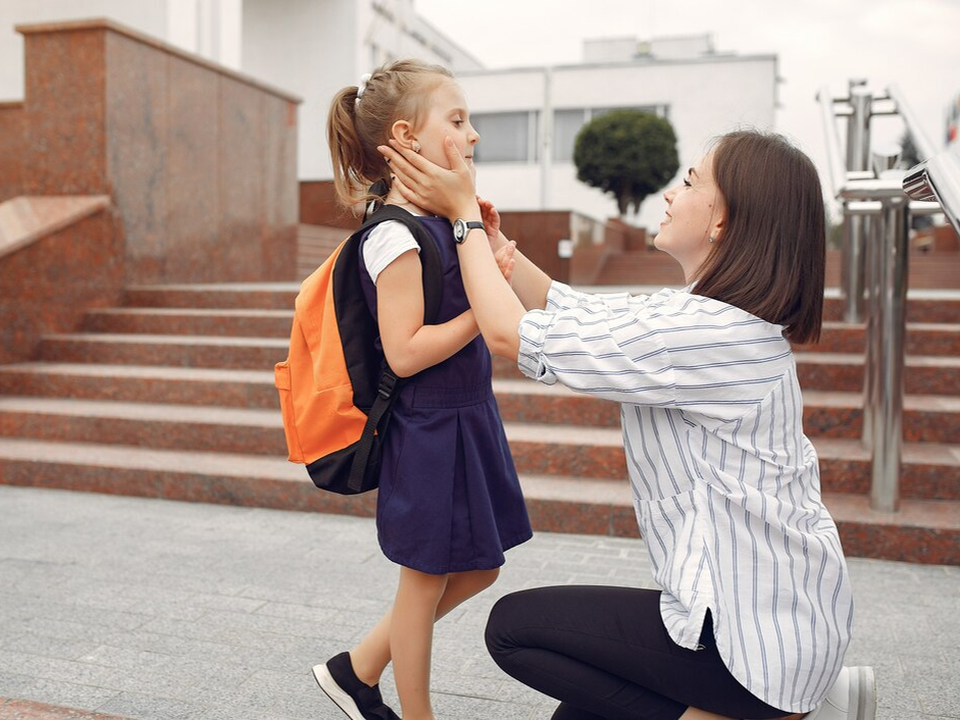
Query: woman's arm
x=408 y=345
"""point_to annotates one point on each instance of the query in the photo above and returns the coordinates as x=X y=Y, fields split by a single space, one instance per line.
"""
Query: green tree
x=627 y=153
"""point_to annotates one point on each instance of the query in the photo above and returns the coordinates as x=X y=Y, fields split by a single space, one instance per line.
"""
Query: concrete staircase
x=172 y=396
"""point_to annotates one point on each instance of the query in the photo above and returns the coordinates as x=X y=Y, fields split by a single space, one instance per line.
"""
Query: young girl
x=755 y=610
x=449 y=501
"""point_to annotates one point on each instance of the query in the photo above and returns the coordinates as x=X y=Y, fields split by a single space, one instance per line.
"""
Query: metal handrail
x=924 y=147
x=876 y=231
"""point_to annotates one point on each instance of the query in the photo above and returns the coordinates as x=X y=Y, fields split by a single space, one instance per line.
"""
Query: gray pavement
x=155 y=609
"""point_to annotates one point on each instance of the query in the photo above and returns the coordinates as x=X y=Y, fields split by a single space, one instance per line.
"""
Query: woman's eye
x=686 y=182
x=458 y=122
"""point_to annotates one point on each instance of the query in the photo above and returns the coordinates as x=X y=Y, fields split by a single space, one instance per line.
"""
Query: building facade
x=528 y=118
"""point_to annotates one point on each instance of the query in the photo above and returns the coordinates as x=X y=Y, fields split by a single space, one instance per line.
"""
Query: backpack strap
x=390 y=385
x=429 y=255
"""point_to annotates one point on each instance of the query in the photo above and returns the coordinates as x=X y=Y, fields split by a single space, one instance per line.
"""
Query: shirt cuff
x=533 y=331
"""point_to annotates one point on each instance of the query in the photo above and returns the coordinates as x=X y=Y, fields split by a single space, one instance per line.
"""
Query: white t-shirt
x=386 y=242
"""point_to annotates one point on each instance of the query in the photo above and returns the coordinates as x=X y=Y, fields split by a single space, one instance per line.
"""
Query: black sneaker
x=358 y=700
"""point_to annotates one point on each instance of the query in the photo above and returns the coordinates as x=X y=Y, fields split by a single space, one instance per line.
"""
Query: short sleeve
x=385 y=243
x=673 y=350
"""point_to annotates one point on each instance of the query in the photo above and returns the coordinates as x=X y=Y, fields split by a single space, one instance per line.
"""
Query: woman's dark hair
x=770 y=261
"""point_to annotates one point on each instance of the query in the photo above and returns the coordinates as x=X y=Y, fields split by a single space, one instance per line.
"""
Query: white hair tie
x=364 y=79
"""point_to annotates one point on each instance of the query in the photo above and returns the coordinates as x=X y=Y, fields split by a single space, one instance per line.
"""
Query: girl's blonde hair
x=397 y=91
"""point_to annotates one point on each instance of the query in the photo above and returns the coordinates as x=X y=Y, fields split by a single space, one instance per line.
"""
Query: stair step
x=246 y=353
x=922 y=339
x=923 y=306
x=927 y=418
x=923 y=531
x=190 y=321
x=841 y=372
x=257 y=296
x=142 y=383
x=931 y=470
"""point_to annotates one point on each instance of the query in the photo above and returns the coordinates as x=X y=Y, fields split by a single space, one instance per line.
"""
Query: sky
x=914 y=44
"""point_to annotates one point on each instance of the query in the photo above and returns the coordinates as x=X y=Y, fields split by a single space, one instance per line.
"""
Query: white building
x=528 y=118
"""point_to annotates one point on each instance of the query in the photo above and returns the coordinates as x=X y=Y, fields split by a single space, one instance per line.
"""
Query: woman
x=755 y=610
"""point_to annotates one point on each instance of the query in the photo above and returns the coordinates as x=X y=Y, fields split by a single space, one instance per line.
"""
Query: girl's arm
x=408 y=345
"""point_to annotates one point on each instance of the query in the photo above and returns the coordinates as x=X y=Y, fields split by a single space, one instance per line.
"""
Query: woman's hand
x=450 y=193
x=506 y=260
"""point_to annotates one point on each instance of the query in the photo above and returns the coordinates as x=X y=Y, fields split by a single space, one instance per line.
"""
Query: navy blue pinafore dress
x=449 y=498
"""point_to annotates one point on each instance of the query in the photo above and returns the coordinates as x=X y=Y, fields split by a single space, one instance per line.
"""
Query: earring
x=416 y=146
x=712 y=239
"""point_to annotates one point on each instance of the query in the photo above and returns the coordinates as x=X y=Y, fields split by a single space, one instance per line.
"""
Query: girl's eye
x=458 y=123
x=687 y=182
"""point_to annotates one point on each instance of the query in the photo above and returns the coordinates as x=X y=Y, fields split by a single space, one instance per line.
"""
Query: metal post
x=851 y=258
x=887 y=426
x=882 y=160
x=871 y=401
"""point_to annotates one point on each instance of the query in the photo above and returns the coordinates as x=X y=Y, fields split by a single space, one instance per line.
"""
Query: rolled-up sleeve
x=669 y=350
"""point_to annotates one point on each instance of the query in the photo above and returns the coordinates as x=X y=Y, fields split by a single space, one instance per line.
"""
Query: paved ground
x=154 y=609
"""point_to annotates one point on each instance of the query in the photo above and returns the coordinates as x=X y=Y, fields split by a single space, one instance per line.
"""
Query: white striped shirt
x=726 y=486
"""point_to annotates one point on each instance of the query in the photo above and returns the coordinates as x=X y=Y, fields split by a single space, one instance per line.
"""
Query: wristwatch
x=461 y=227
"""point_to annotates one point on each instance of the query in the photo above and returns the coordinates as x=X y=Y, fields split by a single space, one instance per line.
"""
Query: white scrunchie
x=364 y=79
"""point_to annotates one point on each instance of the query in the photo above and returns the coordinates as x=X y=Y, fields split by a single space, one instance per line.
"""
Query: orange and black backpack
x=336 y=390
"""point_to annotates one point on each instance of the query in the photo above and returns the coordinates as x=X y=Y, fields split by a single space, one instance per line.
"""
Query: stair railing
x=874 y=261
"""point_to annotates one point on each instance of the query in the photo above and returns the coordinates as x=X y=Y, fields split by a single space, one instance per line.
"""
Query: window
x=506 y=137
x=567 y=123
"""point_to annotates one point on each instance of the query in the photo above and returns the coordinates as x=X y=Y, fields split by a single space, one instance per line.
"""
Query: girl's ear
x=402 y=132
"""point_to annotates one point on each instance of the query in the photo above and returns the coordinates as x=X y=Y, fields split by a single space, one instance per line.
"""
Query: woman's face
x=695 y=212
x=447 y=117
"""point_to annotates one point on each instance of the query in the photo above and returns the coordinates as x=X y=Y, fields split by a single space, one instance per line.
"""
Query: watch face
x=459 y=230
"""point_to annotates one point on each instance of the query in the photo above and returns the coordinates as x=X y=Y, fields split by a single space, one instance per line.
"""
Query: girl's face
x=447 y=117
x=695 y=212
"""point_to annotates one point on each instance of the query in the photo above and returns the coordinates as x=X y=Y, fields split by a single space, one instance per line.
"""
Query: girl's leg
x=411 y=639
x=464 y=585
x=372 y=655
x=605 y=652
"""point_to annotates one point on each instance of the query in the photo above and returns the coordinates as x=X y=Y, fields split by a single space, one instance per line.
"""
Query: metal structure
x=875 y=255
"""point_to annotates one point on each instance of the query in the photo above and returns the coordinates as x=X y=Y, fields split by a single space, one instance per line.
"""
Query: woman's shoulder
x=685 y=302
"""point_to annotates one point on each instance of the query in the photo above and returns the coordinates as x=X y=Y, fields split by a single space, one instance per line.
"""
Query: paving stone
x=270 y=610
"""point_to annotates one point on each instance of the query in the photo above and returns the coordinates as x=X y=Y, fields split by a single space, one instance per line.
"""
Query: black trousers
x=605 y=653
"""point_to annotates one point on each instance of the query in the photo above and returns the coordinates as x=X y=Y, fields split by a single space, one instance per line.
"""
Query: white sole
x=863 y=693
x=335 y=693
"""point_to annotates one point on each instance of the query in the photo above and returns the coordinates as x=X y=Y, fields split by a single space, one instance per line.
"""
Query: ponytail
x=353 y=171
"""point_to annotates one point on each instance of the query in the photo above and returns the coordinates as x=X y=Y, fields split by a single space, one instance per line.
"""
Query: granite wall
x=200 y=161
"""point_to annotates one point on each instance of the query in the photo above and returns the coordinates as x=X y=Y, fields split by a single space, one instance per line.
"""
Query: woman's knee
x=506 y=617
